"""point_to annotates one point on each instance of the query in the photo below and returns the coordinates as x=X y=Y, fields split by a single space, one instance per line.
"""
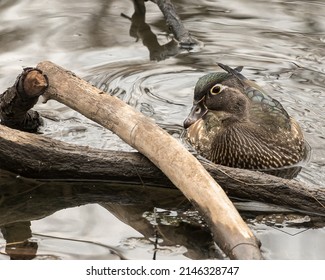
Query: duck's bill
x=197 y=112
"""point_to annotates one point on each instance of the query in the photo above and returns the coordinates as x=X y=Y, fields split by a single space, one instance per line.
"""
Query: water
x=280 y=44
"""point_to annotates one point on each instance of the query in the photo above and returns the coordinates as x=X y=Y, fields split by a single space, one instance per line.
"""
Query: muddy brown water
x=281 y=44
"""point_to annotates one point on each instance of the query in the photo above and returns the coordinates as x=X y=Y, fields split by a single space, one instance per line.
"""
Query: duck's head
x=219 y=91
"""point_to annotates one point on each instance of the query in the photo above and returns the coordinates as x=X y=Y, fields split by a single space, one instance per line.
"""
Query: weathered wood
x=36 y=156
x=230 y=232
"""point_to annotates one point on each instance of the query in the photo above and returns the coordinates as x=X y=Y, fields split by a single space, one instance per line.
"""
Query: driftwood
x=230 y=232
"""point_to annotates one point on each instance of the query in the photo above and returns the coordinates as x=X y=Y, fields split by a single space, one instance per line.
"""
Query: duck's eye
x=216 y=89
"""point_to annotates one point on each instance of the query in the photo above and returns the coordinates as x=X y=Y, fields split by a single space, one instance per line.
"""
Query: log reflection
x=24 y=200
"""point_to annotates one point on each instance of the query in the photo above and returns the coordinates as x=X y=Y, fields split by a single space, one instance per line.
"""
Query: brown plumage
x=234 y=123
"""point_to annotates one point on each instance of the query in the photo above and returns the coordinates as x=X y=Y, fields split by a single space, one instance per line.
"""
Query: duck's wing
x=264 y=110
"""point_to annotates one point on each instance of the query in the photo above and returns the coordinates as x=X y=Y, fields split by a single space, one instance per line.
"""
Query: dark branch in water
x=141 y=31
x=16 y=101
x=175 y=24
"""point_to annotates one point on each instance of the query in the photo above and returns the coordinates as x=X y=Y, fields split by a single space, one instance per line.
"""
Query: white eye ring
x=217 y=88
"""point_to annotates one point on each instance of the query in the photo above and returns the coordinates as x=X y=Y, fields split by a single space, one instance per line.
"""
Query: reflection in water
x=127 y=203
x=280 y=43
x=165 y=219
x=18 y=245
x=140 y=30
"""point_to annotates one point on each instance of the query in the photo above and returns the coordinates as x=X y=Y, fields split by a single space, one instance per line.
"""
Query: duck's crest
x=235 y=72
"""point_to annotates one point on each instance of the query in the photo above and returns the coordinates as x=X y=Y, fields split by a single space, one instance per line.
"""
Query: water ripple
x=162 y=93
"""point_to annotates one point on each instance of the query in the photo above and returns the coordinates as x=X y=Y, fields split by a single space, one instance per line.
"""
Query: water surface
x=281 y=44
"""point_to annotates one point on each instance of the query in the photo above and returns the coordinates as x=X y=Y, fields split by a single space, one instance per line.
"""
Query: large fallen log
x=230 y=232
x=36 y=156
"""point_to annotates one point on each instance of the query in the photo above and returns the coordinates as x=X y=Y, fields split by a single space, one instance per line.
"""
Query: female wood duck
x=234 y=123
